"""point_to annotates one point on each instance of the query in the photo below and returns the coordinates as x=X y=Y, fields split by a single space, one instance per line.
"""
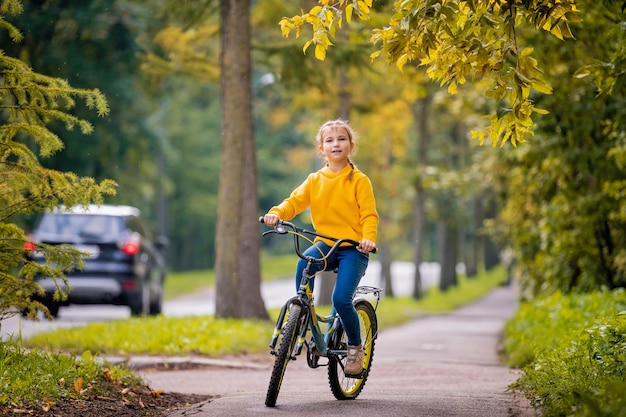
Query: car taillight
x=129 y=285
x=130 y=248
x=30 y=246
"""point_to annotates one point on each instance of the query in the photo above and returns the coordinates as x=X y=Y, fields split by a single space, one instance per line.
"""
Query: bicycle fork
x=280 y=321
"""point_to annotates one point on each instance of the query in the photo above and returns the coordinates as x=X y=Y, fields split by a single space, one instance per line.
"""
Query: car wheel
x=156 y=306
x=140 y=305
x=136 y=307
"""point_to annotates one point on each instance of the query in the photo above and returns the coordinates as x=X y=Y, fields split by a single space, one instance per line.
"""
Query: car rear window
x=81 y=225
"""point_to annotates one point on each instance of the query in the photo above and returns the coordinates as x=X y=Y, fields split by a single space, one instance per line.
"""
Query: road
x=436 y=366
x=274 y=294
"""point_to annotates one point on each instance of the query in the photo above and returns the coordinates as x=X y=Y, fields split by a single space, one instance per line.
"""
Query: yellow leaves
x=320 y=52
x=513 y=125
x=526 y=51
x=460 y=41
x=157 y=393
x=306 y=46
x=315 y=11
x=555 y=20
x=48 y=403
x=324 y=20
x=349 y=9
x=364 y=7
x=286 y=26
x=106 y=374
x=78 y=384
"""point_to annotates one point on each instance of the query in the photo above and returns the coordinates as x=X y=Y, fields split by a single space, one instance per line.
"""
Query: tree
x=456 y=41
x=562 y=196
x=421 y=113
x=237 y=268
x=92 y=43
x=29 y=101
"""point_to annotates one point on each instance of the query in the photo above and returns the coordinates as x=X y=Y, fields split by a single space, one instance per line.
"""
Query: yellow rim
x=366 y=339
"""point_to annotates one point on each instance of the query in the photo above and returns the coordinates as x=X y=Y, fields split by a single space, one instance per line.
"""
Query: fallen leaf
x=78 y=384
x=22 y=411
x=156 y=393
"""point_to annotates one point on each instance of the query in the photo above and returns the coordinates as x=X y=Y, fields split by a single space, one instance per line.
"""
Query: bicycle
x=297 y=317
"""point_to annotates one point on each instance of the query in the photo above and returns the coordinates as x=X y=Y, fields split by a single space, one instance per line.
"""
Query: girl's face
x=336 y=145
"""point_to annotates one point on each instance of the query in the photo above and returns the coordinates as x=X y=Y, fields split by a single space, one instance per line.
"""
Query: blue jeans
x=351 y=265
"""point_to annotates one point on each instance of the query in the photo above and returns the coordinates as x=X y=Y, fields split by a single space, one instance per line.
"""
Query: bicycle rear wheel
x=343 y=387
x=286 y=344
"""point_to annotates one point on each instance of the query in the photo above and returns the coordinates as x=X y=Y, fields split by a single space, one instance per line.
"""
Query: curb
x=143 y=362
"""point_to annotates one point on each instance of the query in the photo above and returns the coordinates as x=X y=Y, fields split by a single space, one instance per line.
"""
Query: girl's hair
x=337 y=123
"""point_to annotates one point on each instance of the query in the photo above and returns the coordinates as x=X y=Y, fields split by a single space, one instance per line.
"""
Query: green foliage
x=34 y=378
x=29 y=101
x=539 y=324
x=92 y=43
x=573 y=352
x=562 y=208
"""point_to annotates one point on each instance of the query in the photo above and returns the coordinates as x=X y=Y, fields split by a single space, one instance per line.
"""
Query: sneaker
x=354 y=361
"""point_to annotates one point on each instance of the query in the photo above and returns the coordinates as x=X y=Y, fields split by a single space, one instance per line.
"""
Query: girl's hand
x=271 y=219
x=366 y=246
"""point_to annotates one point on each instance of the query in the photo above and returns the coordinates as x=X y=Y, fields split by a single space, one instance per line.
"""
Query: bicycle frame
x=320 y=339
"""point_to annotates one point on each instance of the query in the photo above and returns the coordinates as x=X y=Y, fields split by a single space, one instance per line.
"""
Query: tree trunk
x=471 y=241
x=384 y=256
x=448 y=244
x=237 y=268
x=421 y=112
x=492 y=250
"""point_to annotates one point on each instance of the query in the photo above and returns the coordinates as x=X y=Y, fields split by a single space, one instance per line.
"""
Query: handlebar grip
x=262 y=219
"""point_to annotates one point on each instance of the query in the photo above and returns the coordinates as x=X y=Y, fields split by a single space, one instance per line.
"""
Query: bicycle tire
x=286 y=344
x=343 y=387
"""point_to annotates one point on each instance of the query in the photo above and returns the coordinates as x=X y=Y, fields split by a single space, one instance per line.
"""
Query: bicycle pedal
x=360 y=375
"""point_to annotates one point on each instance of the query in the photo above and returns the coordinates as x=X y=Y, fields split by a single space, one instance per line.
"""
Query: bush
x=540 y=324
x=574 y=351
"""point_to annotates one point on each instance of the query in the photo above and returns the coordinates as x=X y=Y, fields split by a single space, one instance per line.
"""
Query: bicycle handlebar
x=280 y=229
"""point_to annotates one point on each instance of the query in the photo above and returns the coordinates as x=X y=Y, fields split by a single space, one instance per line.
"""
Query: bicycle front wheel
x=286 y=344
x=343 y=387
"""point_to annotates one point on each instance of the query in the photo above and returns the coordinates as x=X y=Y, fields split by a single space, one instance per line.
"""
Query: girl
x=342 y=204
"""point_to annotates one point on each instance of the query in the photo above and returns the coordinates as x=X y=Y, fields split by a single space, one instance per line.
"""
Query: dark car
x=125 y=265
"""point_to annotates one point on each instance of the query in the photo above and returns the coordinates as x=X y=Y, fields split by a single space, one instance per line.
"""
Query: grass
x=30 y=377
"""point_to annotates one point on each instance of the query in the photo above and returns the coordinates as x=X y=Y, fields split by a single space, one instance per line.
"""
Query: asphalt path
x=436 y=366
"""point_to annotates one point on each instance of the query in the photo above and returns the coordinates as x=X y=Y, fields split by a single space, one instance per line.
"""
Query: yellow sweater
x=340 y=207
